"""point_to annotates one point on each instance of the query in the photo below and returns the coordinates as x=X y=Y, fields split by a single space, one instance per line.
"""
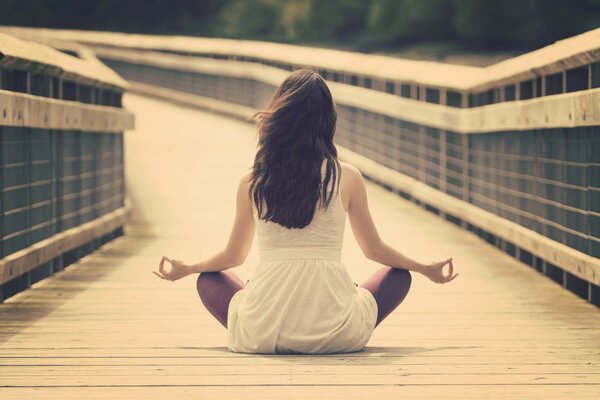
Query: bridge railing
x=511 y=151
x=61 y=160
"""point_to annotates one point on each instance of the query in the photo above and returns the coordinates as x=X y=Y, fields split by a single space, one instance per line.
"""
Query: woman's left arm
x=238 y=246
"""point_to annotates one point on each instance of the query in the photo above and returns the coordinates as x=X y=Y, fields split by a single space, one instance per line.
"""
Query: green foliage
x=366 y=24
x=523 y=23
x=251 y=19
x=337 y=20
x=402 y=21
x=144 y=16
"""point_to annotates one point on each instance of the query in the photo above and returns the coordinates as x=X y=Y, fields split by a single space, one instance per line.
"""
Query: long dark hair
x=295 y=136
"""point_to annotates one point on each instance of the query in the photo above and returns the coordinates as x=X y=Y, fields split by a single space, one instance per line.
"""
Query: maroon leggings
x=388 y=285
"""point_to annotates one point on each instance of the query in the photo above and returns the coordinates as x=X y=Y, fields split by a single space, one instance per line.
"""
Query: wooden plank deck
x=106 y=327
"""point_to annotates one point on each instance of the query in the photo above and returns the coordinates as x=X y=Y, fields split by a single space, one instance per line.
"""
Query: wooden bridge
x=106 y=327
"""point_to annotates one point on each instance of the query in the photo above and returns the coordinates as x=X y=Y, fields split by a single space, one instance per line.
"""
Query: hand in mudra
x=178 y=270
x=435 y=271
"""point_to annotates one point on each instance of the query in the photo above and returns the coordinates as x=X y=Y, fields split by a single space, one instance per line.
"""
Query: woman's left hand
x=435 y=271
x=178 y=270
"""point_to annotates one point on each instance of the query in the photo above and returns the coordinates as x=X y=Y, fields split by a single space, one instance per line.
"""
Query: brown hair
x=296 y=133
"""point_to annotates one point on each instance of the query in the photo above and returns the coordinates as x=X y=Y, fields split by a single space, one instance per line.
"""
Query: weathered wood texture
x=26 y=110
x=106 y=327
x=38 y=58
x=563 y=110
x=553 y=58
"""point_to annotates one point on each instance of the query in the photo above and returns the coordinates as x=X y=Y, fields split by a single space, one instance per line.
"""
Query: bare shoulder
x=352 y=173
x=244 y=183
x=353 y=185
x=245 y=179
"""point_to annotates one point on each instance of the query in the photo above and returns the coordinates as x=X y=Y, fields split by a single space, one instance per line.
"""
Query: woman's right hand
x=435 y=271
x=178 y=270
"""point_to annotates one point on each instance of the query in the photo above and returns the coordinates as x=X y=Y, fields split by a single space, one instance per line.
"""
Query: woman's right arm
x=370 y=242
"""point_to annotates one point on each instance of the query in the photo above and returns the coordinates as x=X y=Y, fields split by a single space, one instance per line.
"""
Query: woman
x=301 y=298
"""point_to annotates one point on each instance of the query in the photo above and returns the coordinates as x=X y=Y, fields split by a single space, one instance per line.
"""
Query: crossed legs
x=216 y=290
x=388 y=285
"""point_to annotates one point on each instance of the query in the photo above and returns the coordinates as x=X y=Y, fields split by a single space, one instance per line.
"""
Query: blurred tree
x=254 y=19
x=361 y=24
x=339 y=20
x=522 y=24
x=294 y=18
x=157 y=16
x=393 y=22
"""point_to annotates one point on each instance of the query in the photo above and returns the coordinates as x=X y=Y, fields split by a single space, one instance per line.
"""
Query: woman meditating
x=301 y=298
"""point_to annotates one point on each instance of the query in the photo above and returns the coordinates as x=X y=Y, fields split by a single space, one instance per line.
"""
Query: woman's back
x=301 y=298
x=325 y=231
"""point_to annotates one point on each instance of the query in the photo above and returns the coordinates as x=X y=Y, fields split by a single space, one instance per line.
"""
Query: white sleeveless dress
x=301 y=298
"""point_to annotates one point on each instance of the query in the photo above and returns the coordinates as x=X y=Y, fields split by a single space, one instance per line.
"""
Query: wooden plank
x=499 y=362
x=559 y=392
x=10 y=372
x=20 y=262
x=564 y=54
x=450 y=332
x=23 y=109
x=187 y=99
x=562 y=110
x=159 y=378
x=35 y=57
